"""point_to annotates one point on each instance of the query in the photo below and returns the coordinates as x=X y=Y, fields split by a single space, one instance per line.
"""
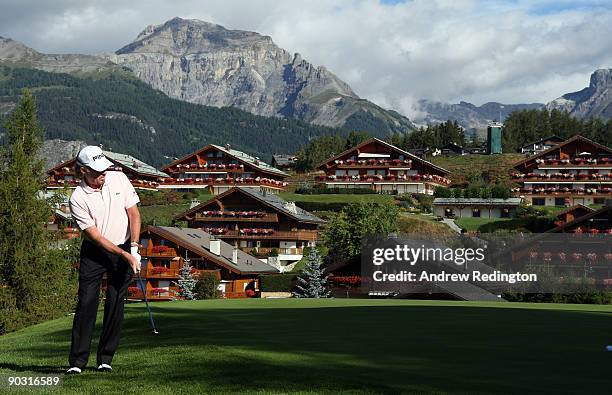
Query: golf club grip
x=144 y=293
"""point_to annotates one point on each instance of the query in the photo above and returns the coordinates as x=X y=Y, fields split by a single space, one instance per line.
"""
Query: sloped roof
x=478 y=201
x=579 y=220
x=574 y=207
x=241 y=156
x=123 y=160
x=553 y=137
x=560 y=145
x=134 y=164
x=271 y=200
x=374 y=139
x=283 y=159
x=198 y=242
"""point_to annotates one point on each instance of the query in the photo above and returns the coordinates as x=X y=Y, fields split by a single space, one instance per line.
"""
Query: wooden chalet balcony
x=160 y=272
x=157 y=253
x=62 y=183
x=575 y=162
x=373 y=163
x=562 y=177
x=419 y=178
x=267 y=217
x=594 y=192
x=268 y=250
x=304 y=235
x=224 y=181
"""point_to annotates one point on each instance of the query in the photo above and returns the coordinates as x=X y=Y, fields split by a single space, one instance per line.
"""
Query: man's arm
x=94 y=235
x=134 y=217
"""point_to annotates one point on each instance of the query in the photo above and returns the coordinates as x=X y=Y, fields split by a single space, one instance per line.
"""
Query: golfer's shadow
x=31 y=368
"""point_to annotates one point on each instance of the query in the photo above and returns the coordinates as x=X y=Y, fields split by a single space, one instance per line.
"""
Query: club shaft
x=144 y=292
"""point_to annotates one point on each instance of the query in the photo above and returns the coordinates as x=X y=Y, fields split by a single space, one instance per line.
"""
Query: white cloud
x=477 y=51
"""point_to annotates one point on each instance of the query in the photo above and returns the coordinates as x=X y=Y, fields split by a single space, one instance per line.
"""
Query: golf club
x=144 y=292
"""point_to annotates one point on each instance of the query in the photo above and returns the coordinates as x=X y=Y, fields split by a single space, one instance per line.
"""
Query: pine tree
x=313 y=282
x=186 y=282
x=24 y=239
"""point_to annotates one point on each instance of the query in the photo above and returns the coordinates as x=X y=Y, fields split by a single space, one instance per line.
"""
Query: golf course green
x=333 y=346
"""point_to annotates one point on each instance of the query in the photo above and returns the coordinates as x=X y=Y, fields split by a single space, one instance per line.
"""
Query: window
x=505 y=213
x=476 y=213
x=559 y=201
x=538 y=201
x=599 y=201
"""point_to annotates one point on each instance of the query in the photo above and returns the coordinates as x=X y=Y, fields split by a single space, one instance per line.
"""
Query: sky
x=392 y=52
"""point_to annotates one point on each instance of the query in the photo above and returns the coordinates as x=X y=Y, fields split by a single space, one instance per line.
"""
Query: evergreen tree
x=38 y=280
x=186 y=282
x=24 y=240
x=312 y=283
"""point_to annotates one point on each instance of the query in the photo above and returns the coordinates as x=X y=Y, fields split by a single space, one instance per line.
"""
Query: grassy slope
x=161 y=214
x=462 y=167
x=273 y=346
x=413 y=224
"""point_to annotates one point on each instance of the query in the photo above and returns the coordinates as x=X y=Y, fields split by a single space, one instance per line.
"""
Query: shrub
x=207 y=286
x=277 y=282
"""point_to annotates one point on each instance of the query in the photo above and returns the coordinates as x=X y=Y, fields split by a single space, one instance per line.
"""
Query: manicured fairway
x=332 y=346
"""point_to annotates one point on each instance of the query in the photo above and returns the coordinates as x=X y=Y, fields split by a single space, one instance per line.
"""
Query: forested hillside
x=126 y=115
x=524 y=127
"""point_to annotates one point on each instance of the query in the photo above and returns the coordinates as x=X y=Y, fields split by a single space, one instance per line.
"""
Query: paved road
x=451 y=224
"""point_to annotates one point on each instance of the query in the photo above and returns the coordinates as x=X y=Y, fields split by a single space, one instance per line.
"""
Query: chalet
x=475 y=207
x=284 y=162
x=452 y=149
x=142 y=175
x=382 y=167
x=541 y=145
x=571 y=213
x=218 y=169
x=165 y=249
x=62 y=223
x=259 y=223
x=576 y=171
x=595 y=222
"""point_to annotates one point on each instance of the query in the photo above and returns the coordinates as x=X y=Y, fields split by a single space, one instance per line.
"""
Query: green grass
x=336 y=198
x=474 y=224
x=415 y=224
x=336 y=346
x=493 y=167
x=161 y=215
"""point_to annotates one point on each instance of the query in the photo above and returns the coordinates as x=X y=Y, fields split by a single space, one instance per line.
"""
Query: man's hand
x=132 y=261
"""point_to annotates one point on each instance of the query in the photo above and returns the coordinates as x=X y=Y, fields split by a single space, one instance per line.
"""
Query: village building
x=571 y=213
x=577 y=171
x=475 y=207
x=382 y=167
x=218 y=169
x=541 y=145
x=141 y=175
x=284 y=162
x=165 y=249
x=259 y=223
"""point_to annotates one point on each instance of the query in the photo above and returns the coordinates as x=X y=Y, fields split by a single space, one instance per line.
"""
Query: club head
x=155 y=332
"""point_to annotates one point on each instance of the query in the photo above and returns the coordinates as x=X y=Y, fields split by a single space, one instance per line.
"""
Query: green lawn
x=336 y=198
x=334 y=346
x=161 y=215
x=474 y=224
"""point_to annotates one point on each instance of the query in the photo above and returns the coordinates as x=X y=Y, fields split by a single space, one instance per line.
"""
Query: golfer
x=104 y=207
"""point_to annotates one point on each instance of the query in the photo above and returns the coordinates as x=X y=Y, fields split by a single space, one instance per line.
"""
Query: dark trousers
x=93 y=264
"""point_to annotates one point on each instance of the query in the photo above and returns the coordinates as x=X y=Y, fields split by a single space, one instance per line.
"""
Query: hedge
x=334 y=191
x=277 y=282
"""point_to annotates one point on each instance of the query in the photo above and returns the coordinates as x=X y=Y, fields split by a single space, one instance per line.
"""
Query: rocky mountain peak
x=181 y=37
x=594 y=101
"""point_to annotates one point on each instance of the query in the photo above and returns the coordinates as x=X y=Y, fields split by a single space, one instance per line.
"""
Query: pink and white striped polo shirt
x=105 y=208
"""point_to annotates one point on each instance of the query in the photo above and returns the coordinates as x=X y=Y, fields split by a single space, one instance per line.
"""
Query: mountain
x=126 y=115
x=471 y=117
x=15 y=53
x=594 y=101
x=205 y=63
x=56 y=151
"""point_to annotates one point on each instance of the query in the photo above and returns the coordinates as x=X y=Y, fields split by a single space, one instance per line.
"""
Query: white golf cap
x=93 y=157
